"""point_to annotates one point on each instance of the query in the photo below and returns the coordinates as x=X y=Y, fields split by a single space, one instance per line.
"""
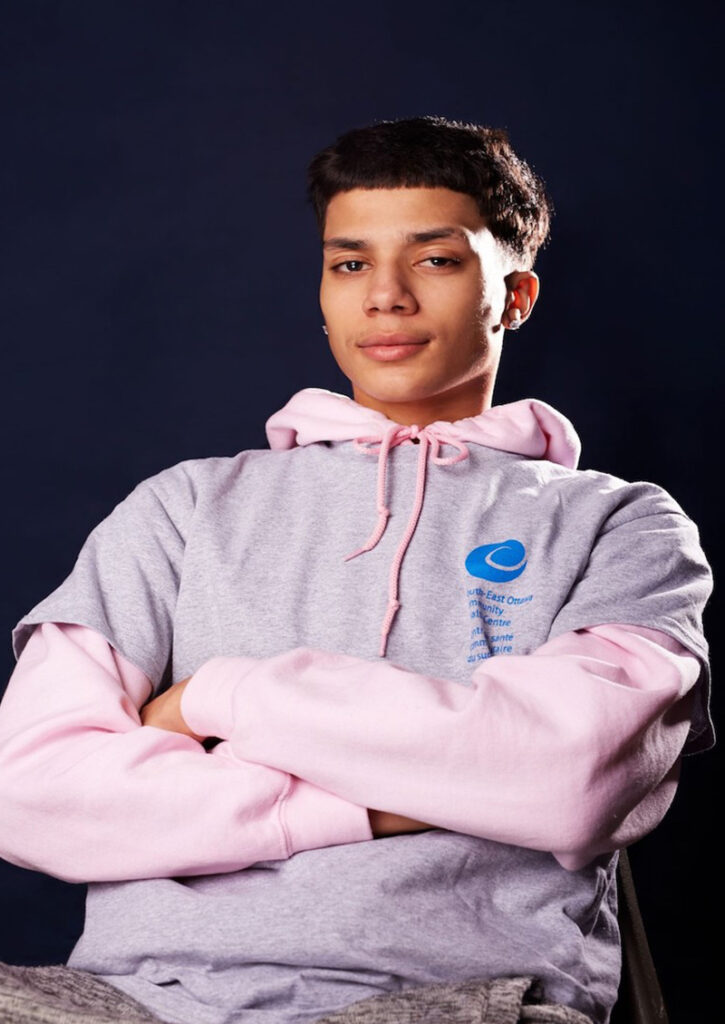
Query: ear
x=522 y=291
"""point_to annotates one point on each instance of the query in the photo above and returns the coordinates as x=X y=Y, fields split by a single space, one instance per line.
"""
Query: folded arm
x=572 y=749
x=87 y=794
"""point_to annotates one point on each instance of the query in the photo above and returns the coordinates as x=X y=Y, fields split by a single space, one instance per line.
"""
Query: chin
x=396 y=393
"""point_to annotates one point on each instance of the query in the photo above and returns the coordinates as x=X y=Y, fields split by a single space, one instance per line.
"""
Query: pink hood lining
x=528 y=427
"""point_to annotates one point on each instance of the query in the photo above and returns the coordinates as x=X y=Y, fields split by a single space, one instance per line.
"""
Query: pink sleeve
x=572 y=749
x=89 y=794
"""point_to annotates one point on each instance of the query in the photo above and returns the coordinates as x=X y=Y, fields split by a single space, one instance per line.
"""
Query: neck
x=469 y=399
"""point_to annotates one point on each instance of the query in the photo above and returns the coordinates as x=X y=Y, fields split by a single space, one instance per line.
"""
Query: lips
x=376 y=340
x=387 y=348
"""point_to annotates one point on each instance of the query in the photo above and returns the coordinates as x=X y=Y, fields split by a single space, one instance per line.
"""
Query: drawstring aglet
x=390 y=613
x=374 y=537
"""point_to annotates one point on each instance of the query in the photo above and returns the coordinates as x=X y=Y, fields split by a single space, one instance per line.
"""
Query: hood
x=527 y=427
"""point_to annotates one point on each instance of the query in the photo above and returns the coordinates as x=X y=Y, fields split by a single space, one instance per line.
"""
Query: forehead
x=385 y=215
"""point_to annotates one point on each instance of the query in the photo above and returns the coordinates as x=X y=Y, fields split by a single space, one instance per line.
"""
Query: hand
x=384 y=823
x=164 y=711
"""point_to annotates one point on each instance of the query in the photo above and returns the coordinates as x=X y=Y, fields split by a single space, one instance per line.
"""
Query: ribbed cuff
x=313 y=818
x=207 y=700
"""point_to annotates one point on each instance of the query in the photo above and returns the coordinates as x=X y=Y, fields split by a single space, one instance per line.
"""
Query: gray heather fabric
x=244 y=555
x=60 y=995
x=63 y=995
x=501 y=1001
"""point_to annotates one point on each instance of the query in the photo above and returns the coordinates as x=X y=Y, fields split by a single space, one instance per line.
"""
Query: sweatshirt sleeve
x=89 y=794
x=572 y=749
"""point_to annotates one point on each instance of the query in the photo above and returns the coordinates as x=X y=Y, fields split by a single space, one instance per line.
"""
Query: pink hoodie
x=572 y=749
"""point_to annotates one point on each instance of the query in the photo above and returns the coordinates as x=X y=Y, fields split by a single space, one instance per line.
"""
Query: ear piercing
x=514 y=322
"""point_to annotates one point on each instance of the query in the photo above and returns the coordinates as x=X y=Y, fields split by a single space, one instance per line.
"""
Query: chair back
x=640 y=998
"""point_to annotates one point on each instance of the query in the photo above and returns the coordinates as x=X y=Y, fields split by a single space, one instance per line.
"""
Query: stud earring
x=324 y=328
x=514 y=321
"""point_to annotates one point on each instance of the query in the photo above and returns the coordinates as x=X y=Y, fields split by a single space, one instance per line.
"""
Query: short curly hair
x=433 y=152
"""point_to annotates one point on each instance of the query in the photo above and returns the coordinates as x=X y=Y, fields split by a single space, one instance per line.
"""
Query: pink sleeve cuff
x=312 y=818
x=207 y=702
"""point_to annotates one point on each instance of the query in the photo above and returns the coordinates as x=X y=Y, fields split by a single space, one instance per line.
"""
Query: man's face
x=413 y=293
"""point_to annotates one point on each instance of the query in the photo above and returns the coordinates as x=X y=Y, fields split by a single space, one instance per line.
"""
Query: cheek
x=468 y=302
x=473 y=313
x=339 y=299
x=327 y=295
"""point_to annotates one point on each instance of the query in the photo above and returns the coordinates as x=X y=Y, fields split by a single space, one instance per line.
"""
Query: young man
x=430 y=738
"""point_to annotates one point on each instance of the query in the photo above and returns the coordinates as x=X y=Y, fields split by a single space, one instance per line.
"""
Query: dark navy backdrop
x=160 y=270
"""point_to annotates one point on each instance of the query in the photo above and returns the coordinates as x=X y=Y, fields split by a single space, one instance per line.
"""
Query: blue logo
x=497 y=562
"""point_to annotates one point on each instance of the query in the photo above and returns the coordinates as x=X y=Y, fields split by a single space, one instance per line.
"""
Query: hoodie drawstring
x=430 y=442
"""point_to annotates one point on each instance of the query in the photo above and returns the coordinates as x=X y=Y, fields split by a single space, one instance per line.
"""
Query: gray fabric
x=62 y=995
x=501 y=1001
x=245 y=556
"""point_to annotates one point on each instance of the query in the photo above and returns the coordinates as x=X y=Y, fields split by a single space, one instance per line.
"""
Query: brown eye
x=441 y=261
x=351 y=266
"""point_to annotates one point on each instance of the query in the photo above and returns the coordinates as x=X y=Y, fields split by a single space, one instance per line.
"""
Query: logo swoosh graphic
x=505 y=560
x=508 y=568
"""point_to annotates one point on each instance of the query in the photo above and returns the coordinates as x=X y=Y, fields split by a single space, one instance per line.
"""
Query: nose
x=389 y=292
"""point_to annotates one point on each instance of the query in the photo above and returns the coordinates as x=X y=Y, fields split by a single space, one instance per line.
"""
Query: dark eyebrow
x=433 y=233
x=414 y=236
x=344 y=243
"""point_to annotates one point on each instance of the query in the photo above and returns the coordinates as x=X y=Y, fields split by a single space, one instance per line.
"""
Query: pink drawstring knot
x=430 y=439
